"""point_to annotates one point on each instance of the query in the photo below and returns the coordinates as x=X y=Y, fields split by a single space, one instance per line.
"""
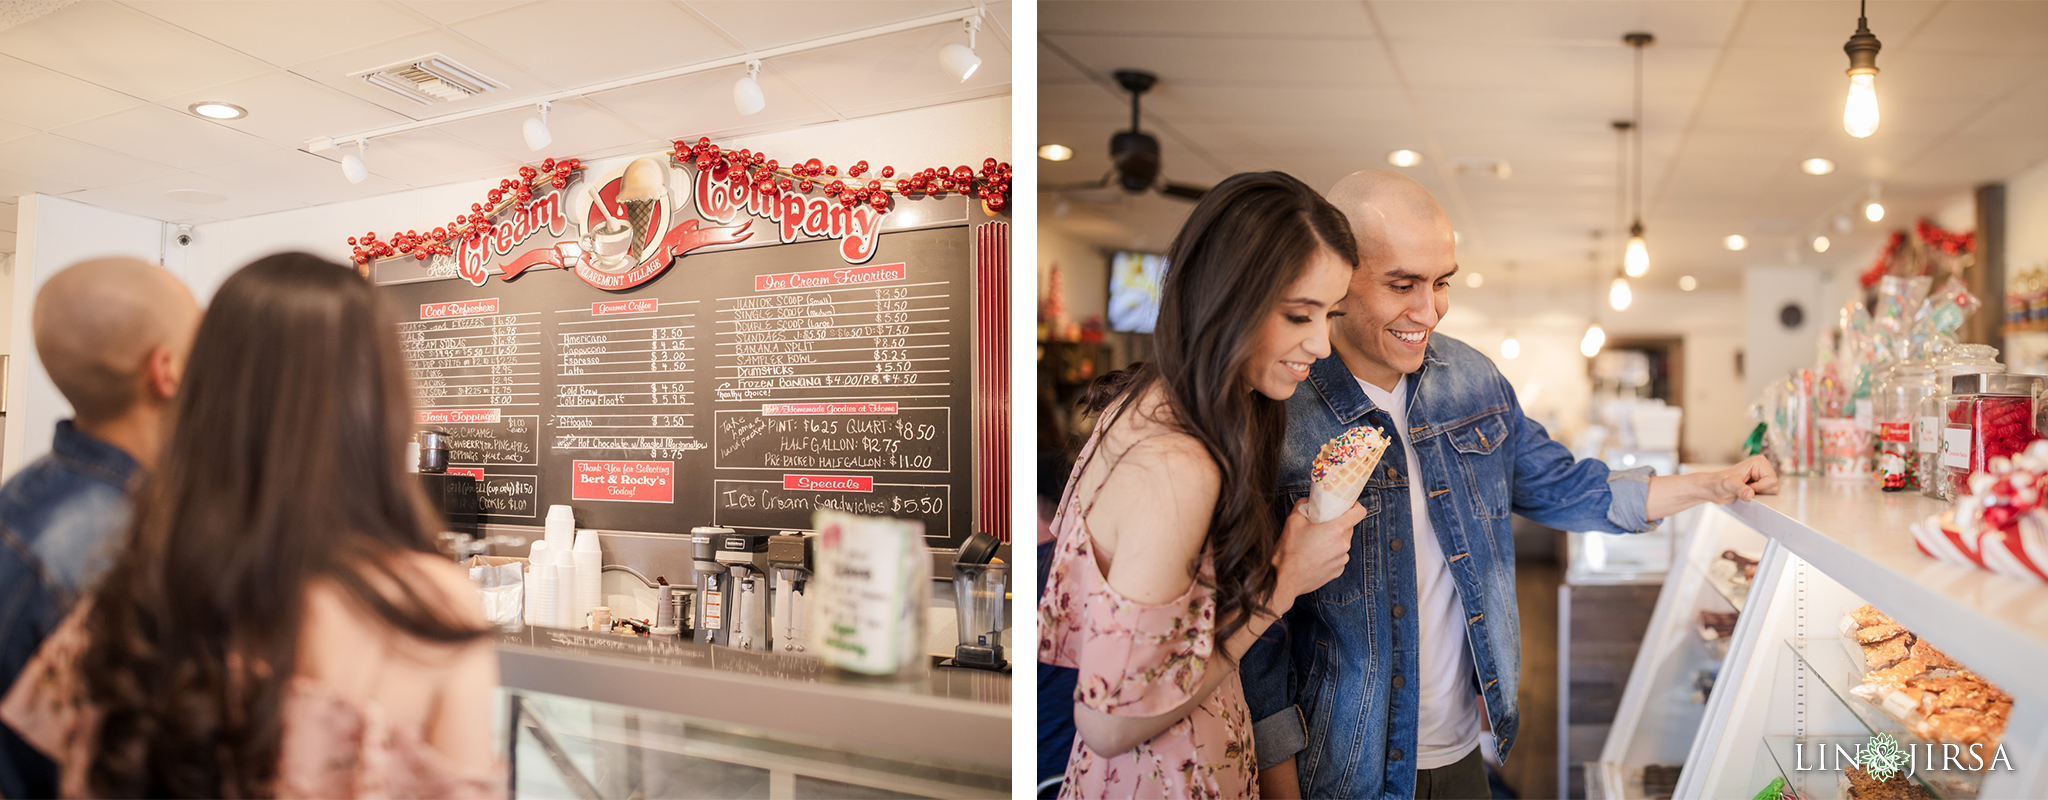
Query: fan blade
x=1099 y=183
x=1184 y=191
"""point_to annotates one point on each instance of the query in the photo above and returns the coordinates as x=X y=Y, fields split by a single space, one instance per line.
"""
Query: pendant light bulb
x=746 y=92
x=352 y=166
x=959 y=60
x=1618 y=294
x=1636 y=260
x=1509 y=348
x=1595 y=339
x=1859 y=114
x=535 y=129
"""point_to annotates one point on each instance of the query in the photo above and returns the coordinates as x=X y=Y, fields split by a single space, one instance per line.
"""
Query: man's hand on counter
x=1670 y=494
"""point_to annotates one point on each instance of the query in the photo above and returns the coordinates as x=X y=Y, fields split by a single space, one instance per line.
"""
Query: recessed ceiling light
x=1735 y=241
x=1055 y=152
x=1475 y=280
x=197 y=197
x=1688 y=283
x=1404 y=158
x=1820 y=244
x=1816 y=166
x=216 y=110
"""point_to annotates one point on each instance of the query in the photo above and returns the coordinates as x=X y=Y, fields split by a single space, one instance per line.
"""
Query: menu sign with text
x=746 y=384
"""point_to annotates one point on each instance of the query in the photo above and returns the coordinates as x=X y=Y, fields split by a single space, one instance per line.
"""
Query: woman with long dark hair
x=278 y=622
x=1170 y=559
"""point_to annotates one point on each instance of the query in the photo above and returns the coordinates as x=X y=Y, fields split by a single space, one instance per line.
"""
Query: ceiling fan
x=1134 y=155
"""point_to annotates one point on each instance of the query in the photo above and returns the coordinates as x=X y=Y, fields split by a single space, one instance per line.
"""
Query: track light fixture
x=960 y=60
x=535 y=129
x=746 y=92
x=352 y=166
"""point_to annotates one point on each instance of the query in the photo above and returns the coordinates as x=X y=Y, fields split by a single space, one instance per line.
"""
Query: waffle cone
x=1341 y=482
x=641 y=214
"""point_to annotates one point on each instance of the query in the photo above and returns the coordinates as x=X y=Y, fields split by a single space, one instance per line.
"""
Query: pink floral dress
x=1138 y=660
x=331 y=748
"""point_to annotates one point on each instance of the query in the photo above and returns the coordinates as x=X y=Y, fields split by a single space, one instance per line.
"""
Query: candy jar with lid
x=1930 y=427
x=1990 y=415
x=1898 y=406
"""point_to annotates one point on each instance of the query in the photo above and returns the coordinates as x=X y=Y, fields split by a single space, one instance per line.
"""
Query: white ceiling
x=1736 y=94
x=94 y=94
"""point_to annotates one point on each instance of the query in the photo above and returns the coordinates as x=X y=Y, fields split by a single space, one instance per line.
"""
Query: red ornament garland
x=991 y=185
x=436 y=242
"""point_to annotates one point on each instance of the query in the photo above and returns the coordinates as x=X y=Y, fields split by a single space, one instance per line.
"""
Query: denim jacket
x=58 y=519
x=1332 y=685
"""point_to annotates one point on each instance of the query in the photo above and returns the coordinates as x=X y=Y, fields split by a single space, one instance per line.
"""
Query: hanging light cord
x=1638 y=131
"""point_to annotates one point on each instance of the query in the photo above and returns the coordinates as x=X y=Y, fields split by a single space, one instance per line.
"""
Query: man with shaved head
x=113 y=335
x=1385 y=685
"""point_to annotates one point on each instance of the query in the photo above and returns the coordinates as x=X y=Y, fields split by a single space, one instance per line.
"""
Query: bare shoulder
x=1151 y=518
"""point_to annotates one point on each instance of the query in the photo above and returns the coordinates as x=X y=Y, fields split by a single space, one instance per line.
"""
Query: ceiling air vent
x=429 y=79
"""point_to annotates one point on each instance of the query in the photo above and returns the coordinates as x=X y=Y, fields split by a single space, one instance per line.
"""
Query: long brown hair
x=1247 y=240
x=283 y=468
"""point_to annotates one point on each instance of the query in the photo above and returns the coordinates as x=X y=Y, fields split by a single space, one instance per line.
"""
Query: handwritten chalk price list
x=845 y=339
x=467 y=354
x=625 y=378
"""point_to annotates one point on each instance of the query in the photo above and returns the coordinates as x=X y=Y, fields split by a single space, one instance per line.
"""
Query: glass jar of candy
x=1990 y=415
x=1898 y=409
x=1931 y=426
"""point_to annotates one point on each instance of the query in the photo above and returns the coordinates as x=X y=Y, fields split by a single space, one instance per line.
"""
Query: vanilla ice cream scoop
x=644 y=180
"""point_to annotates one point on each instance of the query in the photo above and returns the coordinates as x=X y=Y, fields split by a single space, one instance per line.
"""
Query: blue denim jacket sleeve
x=1554 y=489
x=1278 y=729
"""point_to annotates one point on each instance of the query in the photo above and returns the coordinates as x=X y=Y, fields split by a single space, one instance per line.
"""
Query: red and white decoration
x=2002 y=525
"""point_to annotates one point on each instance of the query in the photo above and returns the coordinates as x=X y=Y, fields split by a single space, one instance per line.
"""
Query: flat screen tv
x=1134 y=283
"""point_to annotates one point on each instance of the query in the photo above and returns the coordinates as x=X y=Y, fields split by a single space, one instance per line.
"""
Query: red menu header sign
x=812 y=409
x=624 y=307
x=460 y=308
x=849 y=276
x=458 y=416
x=829 y=483
x=625 y=481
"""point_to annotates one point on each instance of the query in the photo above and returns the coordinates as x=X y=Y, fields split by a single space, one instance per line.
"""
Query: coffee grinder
x=789 y=555
x=745 y=556
x=713 y=585
x=454 y=497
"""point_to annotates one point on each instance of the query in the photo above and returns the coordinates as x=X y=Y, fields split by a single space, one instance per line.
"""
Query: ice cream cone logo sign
x=626 y=240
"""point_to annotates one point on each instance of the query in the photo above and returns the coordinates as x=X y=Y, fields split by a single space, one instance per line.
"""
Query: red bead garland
x=991 y=185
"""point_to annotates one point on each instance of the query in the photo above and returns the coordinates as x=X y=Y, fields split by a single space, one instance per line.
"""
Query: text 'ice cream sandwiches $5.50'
x=1341 y=469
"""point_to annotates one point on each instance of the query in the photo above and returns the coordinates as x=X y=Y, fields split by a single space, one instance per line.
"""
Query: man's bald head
x=1387 y=210
x=100 y=323
x=1401 y=289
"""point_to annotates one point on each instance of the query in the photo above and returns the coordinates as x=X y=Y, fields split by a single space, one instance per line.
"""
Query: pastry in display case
x=1926 y=691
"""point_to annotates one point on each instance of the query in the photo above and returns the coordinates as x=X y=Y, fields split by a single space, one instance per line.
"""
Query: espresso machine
x=789 y=556
x=745 y=556
x=454 y=497
x=714 y=594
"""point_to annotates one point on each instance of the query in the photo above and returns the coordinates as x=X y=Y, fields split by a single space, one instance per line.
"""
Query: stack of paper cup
x=566 y=615
x=589 y=562
x=540 y=586
x=560 y=526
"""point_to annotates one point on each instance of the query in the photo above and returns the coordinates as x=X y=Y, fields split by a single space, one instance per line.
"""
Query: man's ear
x=161 y=373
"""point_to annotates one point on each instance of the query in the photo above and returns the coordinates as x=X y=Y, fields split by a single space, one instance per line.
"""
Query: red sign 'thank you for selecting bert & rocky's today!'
x=625 y=481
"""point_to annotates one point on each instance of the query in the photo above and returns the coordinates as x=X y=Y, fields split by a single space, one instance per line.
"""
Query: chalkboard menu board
x=745 y=385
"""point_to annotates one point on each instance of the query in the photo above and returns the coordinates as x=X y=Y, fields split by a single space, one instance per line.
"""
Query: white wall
x=1083 y=266
x=960 y=133
x=1770 y=349
x=55 y=233
x=1551 y=378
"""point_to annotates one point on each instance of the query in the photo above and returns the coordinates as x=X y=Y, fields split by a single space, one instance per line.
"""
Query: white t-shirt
x=1448 y=717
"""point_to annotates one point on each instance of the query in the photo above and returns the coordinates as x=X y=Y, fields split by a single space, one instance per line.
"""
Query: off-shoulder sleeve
x=44 y=704
x=1140 y=660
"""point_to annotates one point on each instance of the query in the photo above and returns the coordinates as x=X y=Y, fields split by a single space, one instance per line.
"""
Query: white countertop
x=1856 y=534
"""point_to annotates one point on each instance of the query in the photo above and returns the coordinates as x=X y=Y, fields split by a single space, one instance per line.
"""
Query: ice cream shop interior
x=704 y=307
x=1686 y=233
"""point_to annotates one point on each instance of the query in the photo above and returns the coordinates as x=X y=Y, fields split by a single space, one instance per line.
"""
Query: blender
x=713 y=585
x=980 y=593
x=789 y=555
x=745 y=558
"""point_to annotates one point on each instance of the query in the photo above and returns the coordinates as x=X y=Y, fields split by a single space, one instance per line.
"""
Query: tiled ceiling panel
x=1735 y=95
x=286 y=33
x=95 y=96
x=126 y=51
